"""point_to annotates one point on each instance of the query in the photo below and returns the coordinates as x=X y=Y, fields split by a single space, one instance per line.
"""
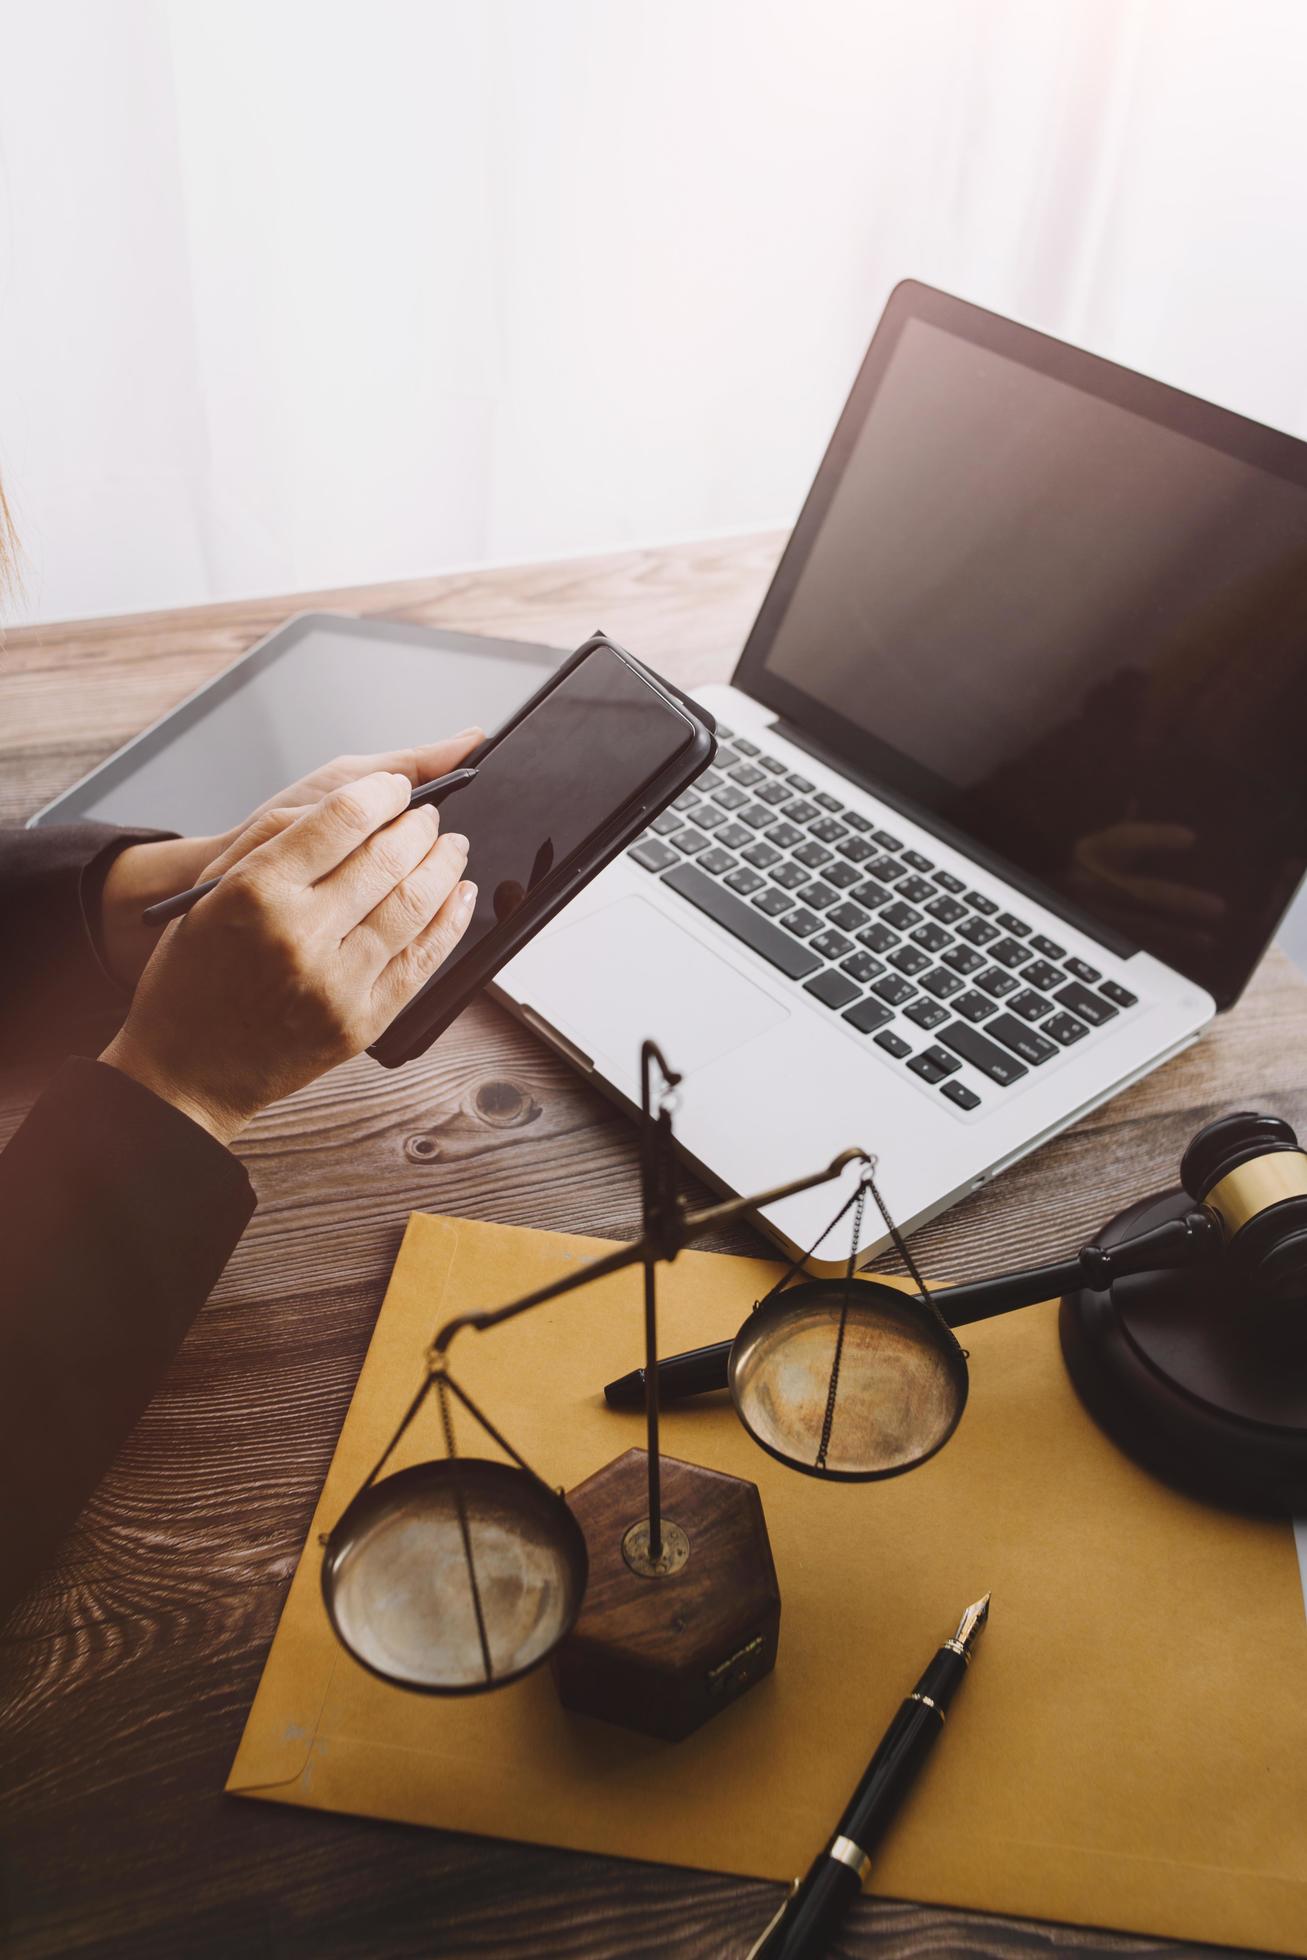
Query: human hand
x=144 y=873
x=327 y=922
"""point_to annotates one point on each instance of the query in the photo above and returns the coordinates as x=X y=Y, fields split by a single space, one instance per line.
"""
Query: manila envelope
x=1129 y=1748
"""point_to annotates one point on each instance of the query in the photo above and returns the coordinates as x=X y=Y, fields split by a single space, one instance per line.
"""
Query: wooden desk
x=125 y=1677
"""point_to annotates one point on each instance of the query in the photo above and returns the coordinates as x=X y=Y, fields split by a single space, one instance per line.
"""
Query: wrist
x=139 y=876
x=222 y=1123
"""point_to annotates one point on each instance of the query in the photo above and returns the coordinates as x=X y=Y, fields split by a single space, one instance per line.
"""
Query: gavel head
x=1249 y=1172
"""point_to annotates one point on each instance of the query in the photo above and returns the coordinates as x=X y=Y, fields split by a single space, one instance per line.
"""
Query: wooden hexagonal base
x=662 y=1654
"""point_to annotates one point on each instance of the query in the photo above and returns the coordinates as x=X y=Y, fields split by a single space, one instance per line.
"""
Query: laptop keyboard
x=935 y=973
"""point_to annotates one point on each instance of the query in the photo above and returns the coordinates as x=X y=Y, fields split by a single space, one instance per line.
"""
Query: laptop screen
x=1062 y=610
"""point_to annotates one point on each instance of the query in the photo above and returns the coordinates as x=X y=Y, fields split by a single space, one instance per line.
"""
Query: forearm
x=139 y=876
x=117 y=1215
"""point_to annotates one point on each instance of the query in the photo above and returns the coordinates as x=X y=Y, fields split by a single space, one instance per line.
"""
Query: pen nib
x=969 y=1626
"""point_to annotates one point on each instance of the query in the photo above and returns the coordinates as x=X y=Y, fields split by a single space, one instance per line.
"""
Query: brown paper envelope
x=1129 y=1750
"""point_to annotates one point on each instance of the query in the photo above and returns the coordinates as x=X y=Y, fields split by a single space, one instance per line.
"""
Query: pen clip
x=772 y=1923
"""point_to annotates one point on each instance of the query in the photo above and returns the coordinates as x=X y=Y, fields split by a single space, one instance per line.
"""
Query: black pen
x=806 y=1923
x=433 y=792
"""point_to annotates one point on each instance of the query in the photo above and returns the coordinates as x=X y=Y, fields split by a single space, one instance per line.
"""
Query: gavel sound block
x=663 y=1652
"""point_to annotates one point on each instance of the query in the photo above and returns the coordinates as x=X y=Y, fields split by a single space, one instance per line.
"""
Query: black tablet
x=322 y=685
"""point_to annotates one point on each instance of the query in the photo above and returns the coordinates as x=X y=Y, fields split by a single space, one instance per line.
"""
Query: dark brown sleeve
x=117 y=1214
x=55 y=992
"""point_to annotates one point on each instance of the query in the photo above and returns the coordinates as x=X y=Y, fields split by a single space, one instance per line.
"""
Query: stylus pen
x=433 y=792
x=806 y=1924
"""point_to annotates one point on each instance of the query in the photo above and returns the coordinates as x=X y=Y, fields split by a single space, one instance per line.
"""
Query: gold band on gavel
x=1253 y=1187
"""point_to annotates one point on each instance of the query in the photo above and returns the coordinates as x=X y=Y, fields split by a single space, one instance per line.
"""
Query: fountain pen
x=806 y=1923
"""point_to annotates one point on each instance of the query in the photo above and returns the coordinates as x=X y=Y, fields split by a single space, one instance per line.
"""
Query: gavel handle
x=1182 y=1241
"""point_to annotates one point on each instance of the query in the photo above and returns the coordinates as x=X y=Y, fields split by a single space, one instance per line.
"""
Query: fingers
x=410 y=969
x=325 y=834
x=410 y=905
x=261 y=830
x=420 y=765
x=368 y=875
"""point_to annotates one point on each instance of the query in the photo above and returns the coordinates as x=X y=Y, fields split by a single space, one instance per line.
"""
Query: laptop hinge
x=1011 y=874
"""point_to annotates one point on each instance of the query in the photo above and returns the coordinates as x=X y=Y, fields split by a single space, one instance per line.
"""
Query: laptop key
x=708 y=779
x=725 y=734
x=745 y=748
x=747 y=773
x=842 y=874
x=1119 y=996
x=828 y=830
x=773 y=764
x=801 y=812
x=708 y=816
x=949 y=882
x=887 y=869
x=964 y=959
x=1023 y=1041
x=856 y=821
x=1030 y=1006
x=887 y=840
x=744 y=880
x=872 y=893
x=733 y=836
x=977 y=931
x=670 y=820
x=932 y=937
x=893 y=1044
x=1010 y=923
x=800 y=922
x=976 y=1007
x=1082 y=970
x=831 y=988
x=918 y=863
x=1009 y=952
x=958 y=1092
x=773 y=901
x=927 y=1067
x=812 y=854
x=945 y=909
x=1049 y=948
x=756 y=815
x=773 y=793
x=832 y=945
x=982 y=1053
x=762 y=855
x=818 y=894
x=784 y=836
x=827 y=801
x=997 y=982
x=926 y=1013
x=653 y=854
x=789 y=874
x=910 y=959
x=730 y=796
x=862 y=966
x=979 y=903
x=856 y=849
x=718 y=862
x=1089 y=1006
x=916 y=890
x=894 y=988
x=848 y=917
x=868 y=1015
x=940 y=982
x=878 y=938
x=689 y=840
x=901 y=916
x=800 y=783
x=739 y=917
x=1065 y=1029
x=1040 y=974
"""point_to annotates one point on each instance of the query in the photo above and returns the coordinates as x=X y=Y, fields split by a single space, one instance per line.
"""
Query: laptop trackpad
x=628 y=972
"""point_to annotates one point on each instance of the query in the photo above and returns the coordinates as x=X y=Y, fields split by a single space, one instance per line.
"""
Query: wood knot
x=422 y=1149
x=505 y=1105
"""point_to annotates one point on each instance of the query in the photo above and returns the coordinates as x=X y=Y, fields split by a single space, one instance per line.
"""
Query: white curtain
x=302 y=292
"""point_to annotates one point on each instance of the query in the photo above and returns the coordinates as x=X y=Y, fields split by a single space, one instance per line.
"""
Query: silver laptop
x=1010 y=793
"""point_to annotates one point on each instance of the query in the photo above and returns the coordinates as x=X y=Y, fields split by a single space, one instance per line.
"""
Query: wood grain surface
x=126 y=1675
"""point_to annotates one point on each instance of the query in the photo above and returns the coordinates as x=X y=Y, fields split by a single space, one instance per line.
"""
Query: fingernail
x=467 y=897
x=396 y=777
x=457 y=839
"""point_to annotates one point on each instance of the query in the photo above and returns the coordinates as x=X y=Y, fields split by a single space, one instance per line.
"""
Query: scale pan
x=395 y=1576
x=902 y=1382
